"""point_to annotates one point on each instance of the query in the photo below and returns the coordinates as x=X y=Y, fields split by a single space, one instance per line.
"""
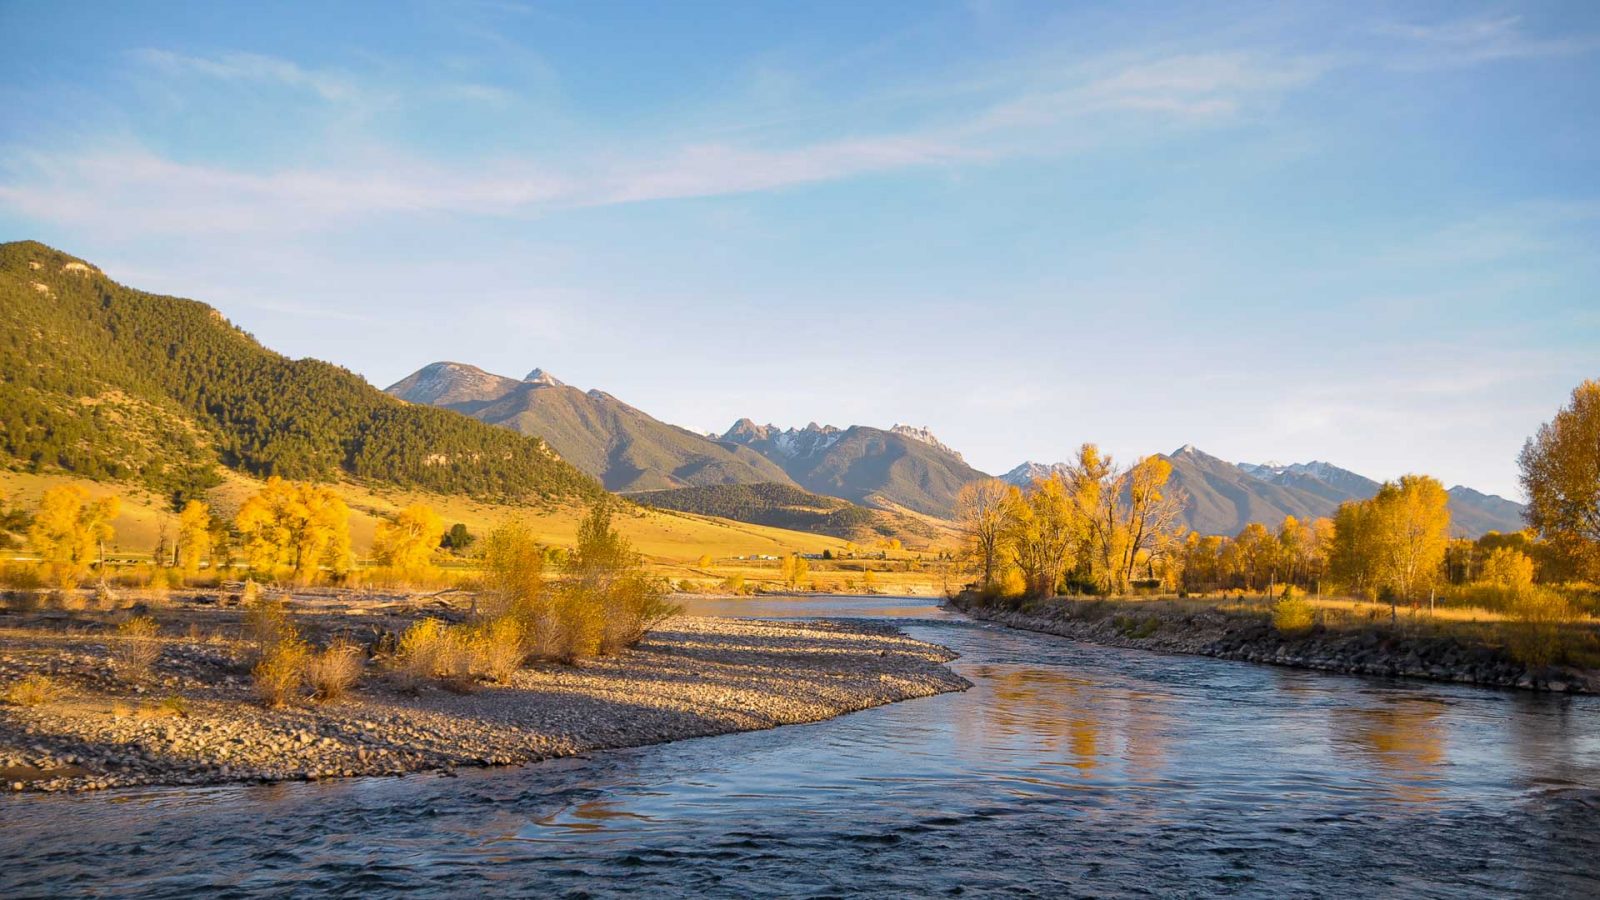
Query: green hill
x=105 y=381
x=627 y=449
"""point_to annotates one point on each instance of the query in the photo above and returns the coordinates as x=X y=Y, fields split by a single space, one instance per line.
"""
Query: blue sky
x=1359 y=233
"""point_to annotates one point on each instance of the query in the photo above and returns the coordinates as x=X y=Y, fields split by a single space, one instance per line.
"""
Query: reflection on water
x=1067 y=769
x=1402 y=735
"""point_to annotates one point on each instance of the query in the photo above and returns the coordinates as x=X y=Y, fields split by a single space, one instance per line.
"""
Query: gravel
x=192 y=720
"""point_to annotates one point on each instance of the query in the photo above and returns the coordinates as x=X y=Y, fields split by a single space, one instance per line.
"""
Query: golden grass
x=31 y=690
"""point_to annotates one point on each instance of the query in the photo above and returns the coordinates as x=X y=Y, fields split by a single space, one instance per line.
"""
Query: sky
x=1360 y=233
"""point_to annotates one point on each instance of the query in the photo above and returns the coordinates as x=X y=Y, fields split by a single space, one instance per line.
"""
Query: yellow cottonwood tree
x=406 y=542
x=194 y=536
x=67 y=532
x=295 y=525
x=1561 y=473
x=794 y=570
x=980 y=512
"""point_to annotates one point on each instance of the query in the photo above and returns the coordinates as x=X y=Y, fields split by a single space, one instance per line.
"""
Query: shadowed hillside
x=786 y=506
x=109 y=382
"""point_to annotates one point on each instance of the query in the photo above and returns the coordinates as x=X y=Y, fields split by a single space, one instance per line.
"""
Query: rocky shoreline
x=194 y=722
x=1250 y=637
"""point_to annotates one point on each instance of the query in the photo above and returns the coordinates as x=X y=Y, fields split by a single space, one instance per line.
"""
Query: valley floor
x=193 y=719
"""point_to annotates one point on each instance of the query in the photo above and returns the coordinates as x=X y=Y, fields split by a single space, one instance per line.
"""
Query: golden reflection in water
x=1080 y=720
x=1403 y=737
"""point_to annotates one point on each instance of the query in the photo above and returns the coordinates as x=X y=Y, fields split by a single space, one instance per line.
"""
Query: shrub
x=513 y=570
x=1012 y=585
x=136 y=648
x=175 y=706
x=500 y=647
x=578 y=627
x=281 y=671
x=1535 y=632
x=21 y=576
x=424 y=651
x=1291 y=615
x=334 y=671
x=634 y=605
x=734 y=584
x=266 y=622
x=31 y=690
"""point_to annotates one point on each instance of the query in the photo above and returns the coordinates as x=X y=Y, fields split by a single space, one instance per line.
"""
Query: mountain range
x=1223 y=497
x=898 y=468
x=625 y=448
x=901 y=468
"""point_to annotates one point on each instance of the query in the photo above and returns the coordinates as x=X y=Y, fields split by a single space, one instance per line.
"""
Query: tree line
x=1100 y=529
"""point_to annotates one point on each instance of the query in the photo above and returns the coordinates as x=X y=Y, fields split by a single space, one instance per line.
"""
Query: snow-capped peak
x=924 y=436
x=540 y=376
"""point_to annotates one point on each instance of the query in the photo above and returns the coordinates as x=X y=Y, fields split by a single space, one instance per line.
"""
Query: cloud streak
x=161 y=194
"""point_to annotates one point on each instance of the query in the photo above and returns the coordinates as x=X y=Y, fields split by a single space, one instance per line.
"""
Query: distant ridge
x=904 y=467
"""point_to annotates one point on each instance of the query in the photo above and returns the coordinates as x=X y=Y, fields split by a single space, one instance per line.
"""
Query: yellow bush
x=136 y=648
x=1011 y=585
x=266 y=620
x=1535 y=635
x=281 y=671
x=334 y=671
x=1291 y=615
x=31 y=690
x=499 y=648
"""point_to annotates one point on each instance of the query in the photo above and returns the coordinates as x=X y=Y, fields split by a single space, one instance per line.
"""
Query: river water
x=1068 y=769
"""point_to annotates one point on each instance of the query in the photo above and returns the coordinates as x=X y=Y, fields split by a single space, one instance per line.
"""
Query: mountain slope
x=105 y=381
x=864 y=465
x=625 y=448
x=1223 y=498
x=1473 y=513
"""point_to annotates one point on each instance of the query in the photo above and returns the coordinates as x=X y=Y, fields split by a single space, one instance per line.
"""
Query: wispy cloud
x=1465 y=42
x=138 y=185
x=251 y=67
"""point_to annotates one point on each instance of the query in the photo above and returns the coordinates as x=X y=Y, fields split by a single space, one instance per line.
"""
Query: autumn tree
x=794 y=569
x=1040 y=534
x=1561 y=473
x=1508 y=568
x=1414 y=529
x=1202 y=561
x=405 y=542
x=981 y=514
x=194 y=537
x=1395 y=542
x=295 y=525
x=1253 y=556
x=1147 y=515
x=69 y=530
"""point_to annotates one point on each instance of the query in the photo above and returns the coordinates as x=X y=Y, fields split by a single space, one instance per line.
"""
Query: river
x=1068 y=769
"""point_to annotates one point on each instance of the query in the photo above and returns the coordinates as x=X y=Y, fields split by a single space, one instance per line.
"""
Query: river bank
x=1408 y=649
x=193 y=719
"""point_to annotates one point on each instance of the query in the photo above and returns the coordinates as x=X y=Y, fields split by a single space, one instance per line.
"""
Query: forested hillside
x=102 y=380
x=785 y=506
